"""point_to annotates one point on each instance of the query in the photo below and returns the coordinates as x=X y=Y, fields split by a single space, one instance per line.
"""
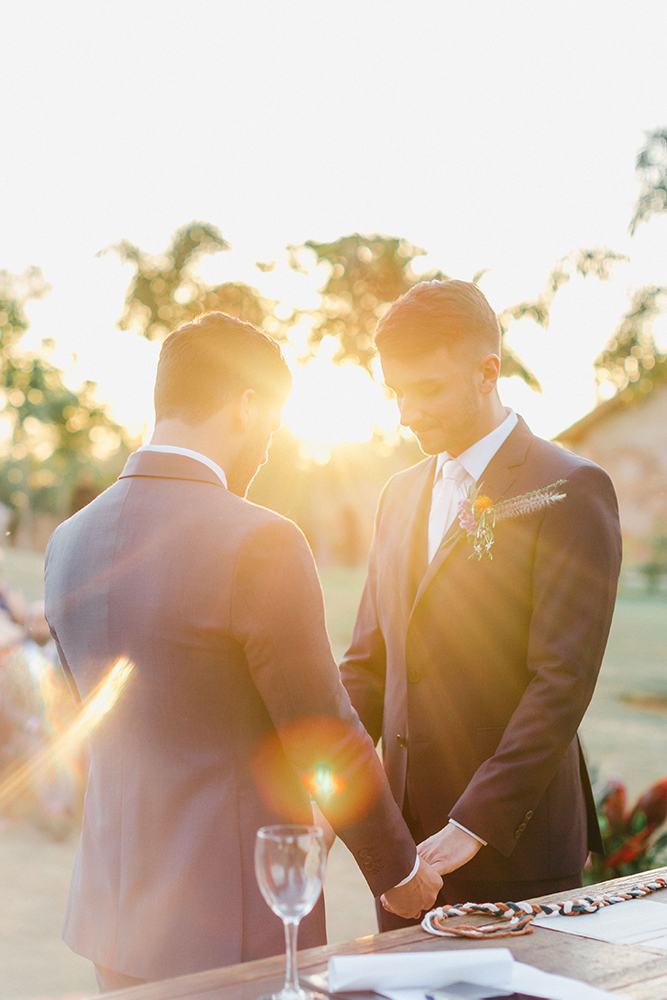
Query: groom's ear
x=489 y=372
x=245 y=410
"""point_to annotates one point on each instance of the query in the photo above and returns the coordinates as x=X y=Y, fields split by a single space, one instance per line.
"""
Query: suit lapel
x=413 y=544
x=496 y=482
x=501 y=472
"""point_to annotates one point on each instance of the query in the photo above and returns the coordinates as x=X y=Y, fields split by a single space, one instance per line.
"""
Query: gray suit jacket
x=477 y=673
x=233 y=702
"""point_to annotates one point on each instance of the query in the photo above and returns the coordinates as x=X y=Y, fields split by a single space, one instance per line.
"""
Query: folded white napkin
x=420 y=970
x=470 y=975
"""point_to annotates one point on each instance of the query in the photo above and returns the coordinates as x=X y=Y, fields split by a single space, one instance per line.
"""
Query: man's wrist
x=409 y=877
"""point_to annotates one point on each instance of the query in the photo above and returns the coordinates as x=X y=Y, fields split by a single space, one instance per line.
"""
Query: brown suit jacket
x=477 y=673
x=233 y=703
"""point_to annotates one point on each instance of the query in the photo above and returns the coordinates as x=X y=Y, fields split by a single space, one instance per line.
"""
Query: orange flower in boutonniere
x=482 y=504
x=478 y=514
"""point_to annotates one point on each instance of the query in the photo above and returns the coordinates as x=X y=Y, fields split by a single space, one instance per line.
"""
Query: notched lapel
x=501 y=473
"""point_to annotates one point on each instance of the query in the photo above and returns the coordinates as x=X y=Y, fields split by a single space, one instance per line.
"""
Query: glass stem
x=291 y=975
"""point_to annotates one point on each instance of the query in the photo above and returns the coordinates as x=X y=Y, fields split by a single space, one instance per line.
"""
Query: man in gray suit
x=234 y=700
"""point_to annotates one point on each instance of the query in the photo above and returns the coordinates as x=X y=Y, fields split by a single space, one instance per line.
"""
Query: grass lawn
x=628 y=738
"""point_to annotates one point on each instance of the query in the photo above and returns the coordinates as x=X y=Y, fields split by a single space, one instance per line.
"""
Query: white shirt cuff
x=466 y=830
x=410 y=876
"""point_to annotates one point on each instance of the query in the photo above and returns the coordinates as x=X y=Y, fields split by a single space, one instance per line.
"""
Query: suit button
x=517 y=833
x=529 y=815
x=414 y=676
x=401 y=740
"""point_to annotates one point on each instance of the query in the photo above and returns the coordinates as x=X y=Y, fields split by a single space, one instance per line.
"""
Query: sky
x=493 y=135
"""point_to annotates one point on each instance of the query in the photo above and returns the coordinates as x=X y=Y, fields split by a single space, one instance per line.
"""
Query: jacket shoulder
x=560 y=461
x=258 y=520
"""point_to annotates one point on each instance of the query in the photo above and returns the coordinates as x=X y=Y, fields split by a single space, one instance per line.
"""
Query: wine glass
x=289 y=865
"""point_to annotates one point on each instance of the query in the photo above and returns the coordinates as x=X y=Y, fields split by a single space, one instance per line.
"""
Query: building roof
x=631 y=395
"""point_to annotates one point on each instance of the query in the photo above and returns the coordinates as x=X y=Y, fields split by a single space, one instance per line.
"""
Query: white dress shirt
x=173 y=449
x=447 y=493
x=453 y=487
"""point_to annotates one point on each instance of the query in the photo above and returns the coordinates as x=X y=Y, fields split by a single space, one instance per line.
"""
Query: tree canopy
x=651 y=168
x=369 y=272
x=631 y=361
x=167 y=291
x=366 y=273
x=55 y=434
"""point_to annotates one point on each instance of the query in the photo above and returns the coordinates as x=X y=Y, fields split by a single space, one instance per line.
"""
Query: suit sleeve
x=364 y=666
x=278 y=618
x=575 y=575
x=62 y=659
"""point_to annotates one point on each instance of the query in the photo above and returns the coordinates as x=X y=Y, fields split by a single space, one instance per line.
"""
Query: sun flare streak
x=62 y=751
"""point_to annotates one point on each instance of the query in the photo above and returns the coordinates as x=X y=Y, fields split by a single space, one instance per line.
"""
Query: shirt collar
x=476 y=458
x=172 y=449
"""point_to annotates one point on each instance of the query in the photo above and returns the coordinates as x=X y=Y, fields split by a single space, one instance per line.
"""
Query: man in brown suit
x=477 y=672
x=234 y=700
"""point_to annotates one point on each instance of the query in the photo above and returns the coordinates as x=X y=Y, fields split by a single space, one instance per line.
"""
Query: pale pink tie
x=448 y=489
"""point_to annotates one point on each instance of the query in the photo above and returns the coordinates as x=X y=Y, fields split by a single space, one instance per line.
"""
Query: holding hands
x=444 y=852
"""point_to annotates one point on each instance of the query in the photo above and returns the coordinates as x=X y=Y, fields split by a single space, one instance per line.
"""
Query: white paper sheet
x=636 y=921
x=527 y=979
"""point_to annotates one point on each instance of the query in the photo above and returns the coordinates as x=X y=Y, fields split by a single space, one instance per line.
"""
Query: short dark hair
x=214 y=356
x=436 y=313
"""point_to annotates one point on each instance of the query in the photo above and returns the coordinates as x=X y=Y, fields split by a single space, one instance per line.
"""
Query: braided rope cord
x=516 y=918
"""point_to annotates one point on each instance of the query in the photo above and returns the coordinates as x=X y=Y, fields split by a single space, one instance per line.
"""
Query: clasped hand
x=418 y=894
x=444 y=852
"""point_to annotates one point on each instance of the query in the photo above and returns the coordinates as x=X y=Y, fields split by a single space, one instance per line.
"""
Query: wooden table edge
x=268 y=972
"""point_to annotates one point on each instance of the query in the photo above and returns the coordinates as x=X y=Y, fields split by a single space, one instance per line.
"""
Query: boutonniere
x=478 y=514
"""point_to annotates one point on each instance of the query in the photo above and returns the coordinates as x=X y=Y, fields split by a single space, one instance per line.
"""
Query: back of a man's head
x=205 y=362
x=434 y=314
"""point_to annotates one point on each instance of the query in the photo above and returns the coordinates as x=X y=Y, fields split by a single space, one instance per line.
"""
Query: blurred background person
x=35 y=708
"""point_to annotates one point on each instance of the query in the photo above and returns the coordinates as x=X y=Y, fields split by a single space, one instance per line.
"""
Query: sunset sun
x=335 y=404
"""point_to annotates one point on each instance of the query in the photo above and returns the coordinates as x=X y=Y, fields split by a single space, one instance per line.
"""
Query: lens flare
x=63 y=750
x=323 y=784
x=322 y=757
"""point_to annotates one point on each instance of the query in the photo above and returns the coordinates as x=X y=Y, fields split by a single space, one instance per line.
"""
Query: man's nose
x=410 y=414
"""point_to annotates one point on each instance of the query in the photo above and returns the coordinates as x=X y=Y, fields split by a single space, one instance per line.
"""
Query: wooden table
x=632 y=970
